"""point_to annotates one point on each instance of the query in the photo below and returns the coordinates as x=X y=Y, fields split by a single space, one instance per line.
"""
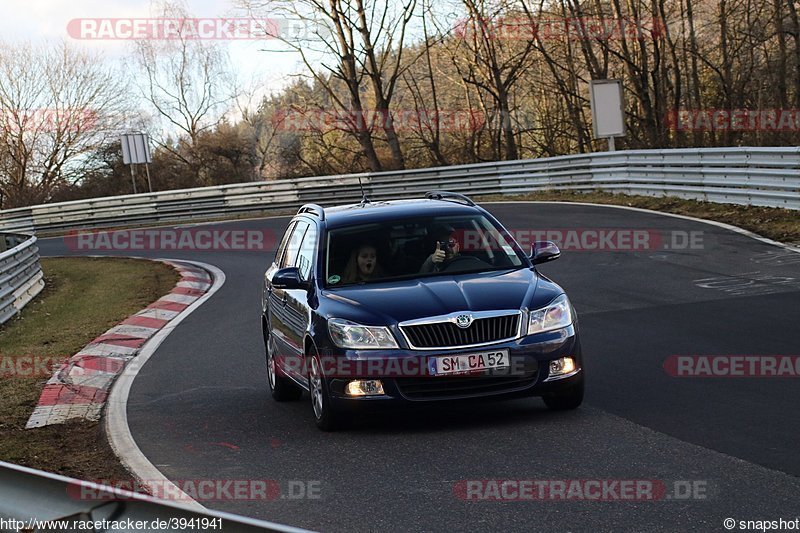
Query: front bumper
x=405 y=380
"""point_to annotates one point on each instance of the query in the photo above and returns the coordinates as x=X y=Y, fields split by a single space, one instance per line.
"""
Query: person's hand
x=438 y=255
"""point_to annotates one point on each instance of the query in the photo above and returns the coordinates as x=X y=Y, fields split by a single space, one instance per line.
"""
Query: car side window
x=284 y=241
x=293 y=246
x=305 y=259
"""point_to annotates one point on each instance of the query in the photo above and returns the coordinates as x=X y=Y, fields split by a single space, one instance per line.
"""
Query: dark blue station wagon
x=405 y=302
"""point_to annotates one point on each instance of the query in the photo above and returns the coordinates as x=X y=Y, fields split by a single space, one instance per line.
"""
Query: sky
x=261 y=66
x=36 y=20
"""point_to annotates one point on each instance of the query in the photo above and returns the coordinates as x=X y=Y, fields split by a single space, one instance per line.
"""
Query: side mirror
x=288 y=278
x=544 y=251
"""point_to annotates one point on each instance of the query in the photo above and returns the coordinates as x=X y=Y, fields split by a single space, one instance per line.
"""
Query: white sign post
x=136 y=151
x=608 y=110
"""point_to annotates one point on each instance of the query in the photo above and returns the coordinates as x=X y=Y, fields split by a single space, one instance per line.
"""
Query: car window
x=402 y=248
x=284 y=241
x=305 y=258
x=293 y=245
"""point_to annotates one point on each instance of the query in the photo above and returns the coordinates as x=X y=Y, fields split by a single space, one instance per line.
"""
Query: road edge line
x=115 y=419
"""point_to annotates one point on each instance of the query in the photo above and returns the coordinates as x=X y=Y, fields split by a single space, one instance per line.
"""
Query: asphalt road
x=200 y=408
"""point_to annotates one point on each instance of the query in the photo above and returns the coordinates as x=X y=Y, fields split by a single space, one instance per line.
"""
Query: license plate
x=467 y=363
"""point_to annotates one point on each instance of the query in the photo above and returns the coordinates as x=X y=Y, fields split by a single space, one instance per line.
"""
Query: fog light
x=562 y=366
x=365 y=387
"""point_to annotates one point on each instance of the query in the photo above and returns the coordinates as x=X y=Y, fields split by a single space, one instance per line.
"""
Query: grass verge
x=83 y=297
x=782 y=225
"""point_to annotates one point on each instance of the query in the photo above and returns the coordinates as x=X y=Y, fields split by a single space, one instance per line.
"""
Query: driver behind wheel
x=447 y=255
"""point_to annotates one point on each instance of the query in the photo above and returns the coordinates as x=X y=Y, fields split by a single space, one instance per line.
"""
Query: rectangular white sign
x=135 y=148
x=608 y=108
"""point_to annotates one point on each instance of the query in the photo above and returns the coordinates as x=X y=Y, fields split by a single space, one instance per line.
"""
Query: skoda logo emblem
x=463 y=321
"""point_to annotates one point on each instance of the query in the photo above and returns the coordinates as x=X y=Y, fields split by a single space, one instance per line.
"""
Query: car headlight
x=346 y=334
x=557 y=315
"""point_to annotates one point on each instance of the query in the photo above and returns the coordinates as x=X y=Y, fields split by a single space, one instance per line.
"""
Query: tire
x=281 y=388
x=566 y=400
x=326 y=418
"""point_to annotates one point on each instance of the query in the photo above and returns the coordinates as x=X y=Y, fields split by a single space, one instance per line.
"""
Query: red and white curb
x=79 y=388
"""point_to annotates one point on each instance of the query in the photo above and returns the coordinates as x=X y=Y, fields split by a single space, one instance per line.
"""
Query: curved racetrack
x=200 y=408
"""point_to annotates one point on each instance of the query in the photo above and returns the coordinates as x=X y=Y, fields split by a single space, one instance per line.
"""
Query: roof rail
x=313 y=209
x=449 y=196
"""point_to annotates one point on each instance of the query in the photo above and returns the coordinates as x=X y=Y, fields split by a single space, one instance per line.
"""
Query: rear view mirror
x=544 y=251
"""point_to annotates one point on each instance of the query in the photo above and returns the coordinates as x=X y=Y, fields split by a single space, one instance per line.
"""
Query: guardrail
x=754 y=176
x=31 y=497
x=21 y=275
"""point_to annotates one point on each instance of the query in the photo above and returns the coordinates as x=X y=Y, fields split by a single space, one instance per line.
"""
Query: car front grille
x=446 y=334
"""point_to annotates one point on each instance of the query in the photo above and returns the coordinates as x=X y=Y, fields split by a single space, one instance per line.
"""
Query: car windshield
x=415 y=247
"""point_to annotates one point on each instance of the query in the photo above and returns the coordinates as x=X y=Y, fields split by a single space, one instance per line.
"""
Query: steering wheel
x=447 y=266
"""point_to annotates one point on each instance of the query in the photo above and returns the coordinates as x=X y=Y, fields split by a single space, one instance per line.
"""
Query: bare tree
x=672 y=55
x=355 y=50
x=422 y=87
x=57 y=105
x=795 y=33
x=493 y=64
x=188 y=81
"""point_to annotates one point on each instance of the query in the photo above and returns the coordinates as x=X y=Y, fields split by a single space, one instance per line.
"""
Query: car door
x=297 y=308
x=279 y=319
x=267 y=286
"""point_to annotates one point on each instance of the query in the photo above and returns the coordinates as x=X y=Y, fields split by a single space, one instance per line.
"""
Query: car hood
x=397 y=301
